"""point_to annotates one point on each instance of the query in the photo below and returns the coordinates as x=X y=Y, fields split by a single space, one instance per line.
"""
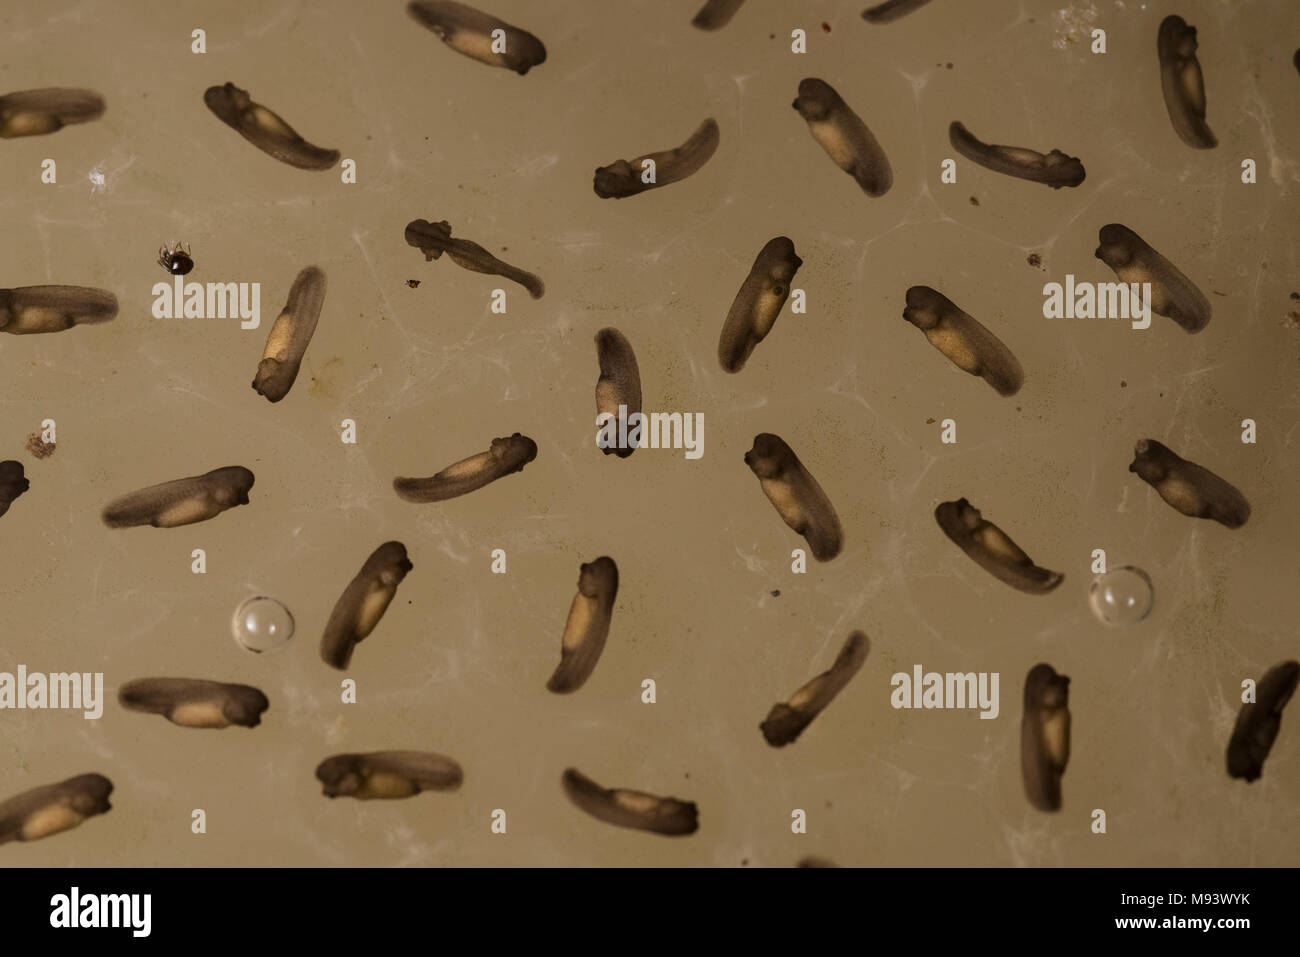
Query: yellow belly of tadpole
x=835 y=143
x=954 y=346
x=188 y=510
x=382 y=785
x=372 y=609
x=1181 y=495
x=49 y=820
x=199 y=714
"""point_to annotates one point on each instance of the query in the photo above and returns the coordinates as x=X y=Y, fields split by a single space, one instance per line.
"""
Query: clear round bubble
x=1122 y=596
x=262 y=624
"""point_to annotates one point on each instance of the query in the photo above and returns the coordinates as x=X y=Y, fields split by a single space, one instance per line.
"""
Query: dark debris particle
x=1034 y=259
x=974 y=201
x=776 y=593
x=39 y=447
x=826 y=27
x=948 y=65
x=1296 y=296
x=1123 y=384
x=930 y=421
x=412 y=283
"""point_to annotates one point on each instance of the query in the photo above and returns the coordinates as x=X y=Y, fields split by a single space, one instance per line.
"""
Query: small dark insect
x=412 y=283
x=175 y=258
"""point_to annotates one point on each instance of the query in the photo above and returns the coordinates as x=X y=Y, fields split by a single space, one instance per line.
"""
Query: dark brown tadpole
x=35 y=112
x=787 y=720
x=181 y=501
x=587 y=626
x=387 y=774
x=992 y=549
x=843 y=135
x=1054 y=169
x=760 y=300
x=1193 y=490
x=479 y=35
x=195 y=702
x=48 y=810
x=796 y=495
x=623 y=178
x=1258 y=721
x=964 y=340
x=891 y=10
x=12 y=483
x=619 y=384
x=633 y=809
x=506 y=455
x=363 y=603
x=434 y=239
x=265 y=129
x=290 y=335
x=1045 y=736
x=1182 y=84
x=716 y=14
x=1134 y=261
x=35 y=309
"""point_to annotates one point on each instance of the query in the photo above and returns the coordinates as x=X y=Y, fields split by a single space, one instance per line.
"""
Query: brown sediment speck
x=39 y=447
x=624 y=178
x=1034 y=259
x=413 y=283
x=974 y=201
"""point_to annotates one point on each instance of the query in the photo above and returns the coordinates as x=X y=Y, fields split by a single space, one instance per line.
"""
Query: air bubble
x=262 y=624
x=1122 y=596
